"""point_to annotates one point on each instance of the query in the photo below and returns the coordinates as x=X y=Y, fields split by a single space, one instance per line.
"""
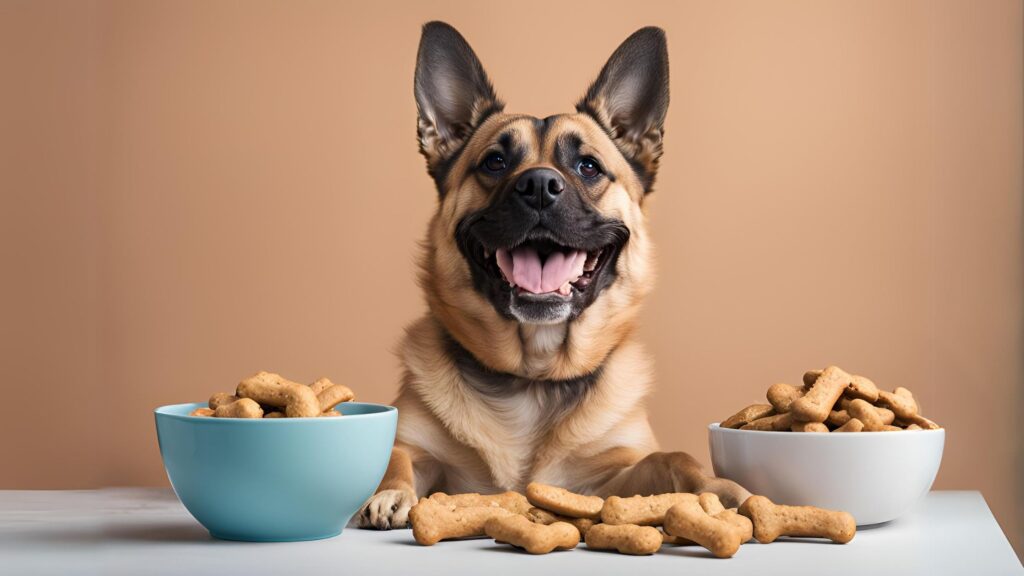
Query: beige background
x=193 y=191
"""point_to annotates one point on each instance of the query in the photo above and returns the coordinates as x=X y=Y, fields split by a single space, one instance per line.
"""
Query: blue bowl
x=276 y=480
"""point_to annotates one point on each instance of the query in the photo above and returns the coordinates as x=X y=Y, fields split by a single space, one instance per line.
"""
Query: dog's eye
x=495 y=162
x=588 y=168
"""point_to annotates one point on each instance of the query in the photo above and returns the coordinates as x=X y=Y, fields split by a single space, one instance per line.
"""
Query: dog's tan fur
x=455 y=437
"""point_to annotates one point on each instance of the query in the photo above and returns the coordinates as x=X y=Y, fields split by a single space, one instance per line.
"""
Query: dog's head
x=539 y=220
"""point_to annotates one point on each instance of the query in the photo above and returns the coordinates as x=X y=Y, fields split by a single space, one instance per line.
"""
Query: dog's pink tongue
x=524 y=267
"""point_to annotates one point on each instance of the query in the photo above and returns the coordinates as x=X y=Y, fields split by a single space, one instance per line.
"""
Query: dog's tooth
x=565 y=289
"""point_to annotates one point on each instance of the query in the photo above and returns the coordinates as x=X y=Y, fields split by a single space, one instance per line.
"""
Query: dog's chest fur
x=521 y=411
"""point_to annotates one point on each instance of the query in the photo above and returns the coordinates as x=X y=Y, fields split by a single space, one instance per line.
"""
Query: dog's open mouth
x=543 y=267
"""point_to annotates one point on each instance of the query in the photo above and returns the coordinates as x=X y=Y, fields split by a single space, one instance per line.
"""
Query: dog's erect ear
x=630 y=99
x=453 y=94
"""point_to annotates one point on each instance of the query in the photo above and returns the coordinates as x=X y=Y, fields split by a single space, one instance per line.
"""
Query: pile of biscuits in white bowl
x=851 y=463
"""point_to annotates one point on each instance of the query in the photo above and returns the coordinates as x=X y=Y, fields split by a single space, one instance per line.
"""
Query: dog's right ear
x=453 y=94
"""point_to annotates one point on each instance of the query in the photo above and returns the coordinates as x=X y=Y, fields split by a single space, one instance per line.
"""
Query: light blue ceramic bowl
x=276 y=480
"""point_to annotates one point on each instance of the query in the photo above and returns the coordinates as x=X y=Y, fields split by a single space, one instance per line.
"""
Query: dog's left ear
x=453 y=93
x=630 y=99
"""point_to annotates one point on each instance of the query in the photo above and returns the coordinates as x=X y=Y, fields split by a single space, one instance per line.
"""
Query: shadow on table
x=155 y=532
x=159 y=532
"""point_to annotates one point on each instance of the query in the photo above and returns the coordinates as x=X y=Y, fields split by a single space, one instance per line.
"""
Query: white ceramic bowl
x=876 y=476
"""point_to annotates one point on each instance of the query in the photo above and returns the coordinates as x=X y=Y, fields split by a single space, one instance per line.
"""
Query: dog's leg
x=389 y=507
x=661 y=472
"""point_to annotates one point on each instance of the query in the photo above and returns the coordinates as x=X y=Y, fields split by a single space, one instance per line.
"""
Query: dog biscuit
x=334 y=395
x=641 y=510
x=905 y=393
x=273 y=414
x=748 y=415
x=241 y=408
x=625 y=538
x=511 y=501
x=710 y=503
x=780 y=396
x=810 y=377
x=667 y=538
x=432 y=521
x=924 y=423
x=815 y=405
x=201 y=412
x=874 y=419
x=680 y=541
x=534 y=538
x=776 y=423
x=221 y=399
x=772 y=520
x=808 y=427
x=720 y=534
x=742 y=522
x=321 y=385
x=564 y=502
x=823 y=404
x=298 y=400
x=863 y=388
x=542 y=516
x=887 y=416
x=851 y=425
x=838 y=417
x=330 y=413
x=902 y=405
x=859 y=386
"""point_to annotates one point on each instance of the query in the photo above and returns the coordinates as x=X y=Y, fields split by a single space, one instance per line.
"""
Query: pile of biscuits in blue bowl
x=277 y=460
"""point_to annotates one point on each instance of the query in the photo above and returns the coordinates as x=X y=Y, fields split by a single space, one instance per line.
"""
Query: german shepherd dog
x=534 y=268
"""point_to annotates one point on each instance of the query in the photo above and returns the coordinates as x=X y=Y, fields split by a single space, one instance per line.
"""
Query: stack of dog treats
x=269 y=395
x=550 y=518
x=832 y=400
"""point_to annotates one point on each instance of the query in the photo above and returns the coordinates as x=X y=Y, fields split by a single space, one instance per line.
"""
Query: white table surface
x=147 y=531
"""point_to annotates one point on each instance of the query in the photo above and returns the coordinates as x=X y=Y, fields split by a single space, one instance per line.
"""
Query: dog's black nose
x=540 y=187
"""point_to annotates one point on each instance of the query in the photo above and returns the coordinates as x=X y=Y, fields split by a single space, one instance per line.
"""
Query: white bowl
x=876 y=476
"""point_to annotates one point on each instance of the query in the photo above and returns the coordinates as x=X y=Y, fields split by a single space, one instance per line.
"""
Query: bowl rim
x=164 y=412
x=715 y=426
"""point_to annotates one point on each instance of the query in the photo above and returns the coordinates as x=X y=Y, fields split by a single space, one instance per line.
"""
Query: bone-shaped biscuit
x=511 y=501
x=298 y=400
x=432 y=521
x=815 y=405
x=851 y=425
x=781 y=396
x=641 y=510
x=333 y=395
x=859 y=386
x=534 y=538
x=241 y=408
x=748 y=415
x=722 y=534
x=775 y=423
x=625 y=538
x=542 y=516
x=808 y=427
x=774 y=520
x=564 y=502
x=874 y=419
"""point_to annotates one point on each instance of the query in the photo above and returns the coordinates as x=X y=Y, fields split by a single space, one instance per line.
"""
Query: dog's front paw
x=387 y=509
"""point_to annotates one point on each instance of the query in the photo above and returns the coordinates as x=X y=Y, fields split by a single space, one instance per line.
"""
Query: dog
x=535 y=264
